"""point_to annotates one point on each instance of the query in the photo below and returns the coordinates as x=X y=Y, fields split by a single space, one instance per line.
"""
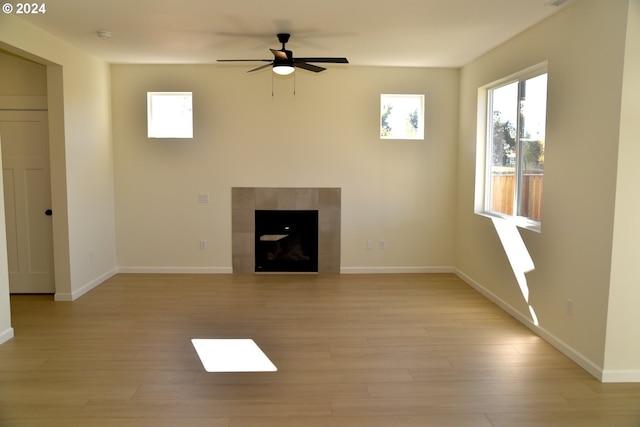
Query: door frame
x=54 y=104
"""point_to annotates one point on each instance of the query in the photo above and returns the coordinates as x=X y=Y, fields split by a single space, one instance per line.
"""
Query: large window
x=169 y=115
x=516 y=117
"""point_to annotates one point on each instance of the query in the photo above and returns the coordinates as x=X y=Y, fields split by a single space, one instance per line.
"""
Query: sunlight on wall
x=518 y=255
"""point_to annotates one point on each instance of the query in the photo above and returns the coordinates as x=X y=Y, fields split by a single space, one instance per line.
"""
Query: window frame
x=482 y=205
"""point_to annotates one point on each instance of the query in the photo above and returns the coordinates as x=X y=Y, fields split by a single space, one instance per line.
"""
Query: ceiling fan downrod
x=284 y=39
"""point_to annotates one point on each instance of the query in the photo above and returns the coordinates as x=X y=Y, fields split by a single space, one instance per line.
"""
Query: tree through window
x=401 y=116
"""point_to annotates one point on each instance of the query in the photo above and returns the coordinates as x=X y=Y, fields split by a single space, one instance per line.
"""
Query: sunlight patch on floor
x=232 y=355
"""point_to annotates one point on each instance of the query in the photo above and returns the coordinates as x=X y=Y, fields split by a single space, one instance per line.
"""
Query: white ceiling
x=412 y=33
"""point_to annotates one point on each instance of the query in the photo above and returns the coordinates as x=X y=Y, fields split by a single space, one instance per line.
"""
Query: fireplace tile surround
x=246 y=200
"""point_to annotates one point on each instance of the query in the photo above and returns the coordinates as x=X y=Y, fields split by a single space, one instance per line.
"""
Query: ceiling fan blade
x=309 y=67
x=260 y=68
x=326 y=60
x=245 y=60
x=279 y=54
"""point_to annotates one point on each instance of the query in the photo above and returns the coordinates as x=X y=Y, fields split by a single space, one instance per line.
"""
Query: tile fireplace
x=253 y=242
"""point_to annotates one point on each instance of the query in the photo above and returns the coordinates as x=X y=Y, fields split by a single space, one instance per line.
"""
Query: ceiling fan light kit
x=284 y=63
x=283 y=70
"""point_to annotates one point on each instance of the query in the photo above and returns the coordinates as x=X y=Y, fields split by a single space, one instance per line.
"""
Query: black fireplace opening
x=286 y=241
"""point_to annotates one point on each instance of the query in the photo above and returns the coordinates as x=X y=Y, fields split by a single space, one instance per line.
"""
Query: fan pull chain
x=272 y=86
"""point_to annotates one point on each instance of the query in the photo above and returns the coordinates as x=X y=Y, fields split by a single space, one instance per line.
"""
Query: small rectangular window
x=516 y=118
x=169 y=115
x=401 y=116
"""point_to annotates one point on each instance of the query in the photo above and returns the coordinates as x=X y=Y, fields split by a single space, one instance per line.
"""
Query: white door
x=27 y=200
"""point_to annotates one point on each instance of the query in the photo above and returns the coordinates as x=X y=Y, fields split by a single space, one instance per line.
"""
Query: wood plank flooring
x=351 y=350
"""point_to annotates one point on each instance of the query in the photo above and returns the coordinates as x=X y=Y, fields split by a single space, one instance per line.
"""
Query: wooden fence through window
x=502 y=191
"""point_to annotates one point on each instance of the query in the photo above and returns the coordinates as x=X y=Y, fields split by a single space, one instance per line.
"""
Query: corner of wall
x=72 y=296
x=6 y=335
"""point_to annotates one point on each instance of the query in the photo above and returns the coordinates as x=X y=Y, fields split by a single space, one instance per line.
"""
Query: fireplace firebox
x=286 y=241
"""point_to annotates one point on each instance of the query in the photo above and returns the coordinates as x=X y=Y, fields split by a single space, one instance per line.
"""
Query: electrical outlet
x=203 y=244
x=383 y=244
x=569 y=306
x=203 y=198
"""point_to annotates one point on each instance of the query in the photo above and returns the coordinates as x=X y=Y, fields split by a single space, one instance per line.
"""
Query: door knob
x=48 y=212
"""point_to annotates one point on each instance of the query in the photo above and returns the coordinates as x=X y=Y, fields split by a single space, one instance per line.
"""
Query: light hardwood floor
x=351 y=350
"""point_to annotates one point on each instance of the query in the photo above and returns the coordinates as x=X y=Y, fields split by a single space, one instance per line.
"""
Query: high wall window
x=169 y=115
x=515 y=142
x=401 y=116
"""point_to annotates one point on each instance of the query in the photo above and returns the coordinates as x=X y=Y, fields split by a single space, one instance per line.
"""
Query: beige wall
x=622 y=355
x=326 y=135
x=79 y=94
x=584 y=47
x=21 y=77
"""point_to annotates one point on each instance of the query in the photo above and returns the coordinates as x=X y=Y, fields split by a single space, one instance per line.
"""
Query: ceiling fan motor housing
x=282 y=57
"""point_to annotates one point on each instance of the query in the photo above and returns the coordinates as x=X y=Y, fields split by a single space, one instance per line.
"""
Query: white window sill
x=518 y=221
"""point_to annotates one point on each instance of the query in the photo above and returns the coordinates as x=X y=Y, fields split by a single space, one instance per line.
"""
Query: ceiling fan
x=284 y=63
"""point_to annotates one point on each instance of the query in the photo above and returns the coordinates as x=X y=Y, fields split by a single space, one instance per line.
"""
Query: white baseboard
x=59 y=296
x=395 y=270
x=562 y=346
x=6 y=335
x=74 y=295
x=176 y=270
x=620 y=376
x=229 y=270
